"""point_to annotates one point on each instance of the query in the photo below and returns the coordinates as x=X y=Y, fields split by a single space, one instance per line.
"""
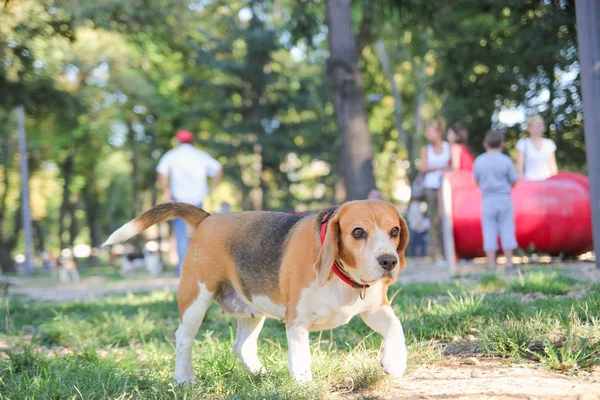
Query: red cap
x=184 y=136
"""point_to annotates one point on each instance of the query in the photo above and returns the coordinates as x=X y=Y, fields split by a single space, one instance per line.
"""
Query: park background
x=105 y=86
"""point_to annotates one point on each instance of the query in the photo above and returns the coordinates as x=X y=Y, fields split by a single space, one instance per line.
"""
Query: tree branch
x=364 y=33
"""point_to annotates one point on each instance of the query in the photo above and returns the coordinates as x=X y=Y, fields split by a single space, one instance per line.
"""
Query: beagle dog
x=313 y=271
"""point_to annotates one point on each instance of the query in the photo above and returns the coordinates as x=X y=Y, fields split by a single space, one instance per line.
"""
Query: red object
x=334 y=267
x=551 y=216
x=466 y=159
x=184 y=136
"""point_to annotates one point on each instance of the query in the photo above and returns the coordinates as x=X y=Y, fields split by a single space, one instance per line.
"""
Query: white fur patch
x=380 y=244
x=393 y=348
x=186 y=333
x=299 y=356
x=266 y=306
x=245 y=345
x=123 y=233
x=334 y=304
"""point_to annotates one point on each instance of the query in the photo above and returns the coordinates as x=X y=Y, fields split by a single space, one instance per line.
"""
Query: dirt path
x=98 y=286
x=453 y=380
x=89 y=288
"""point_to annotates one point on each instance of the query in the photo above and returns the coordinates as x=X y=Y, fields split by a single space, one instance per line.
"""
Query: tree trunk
x=73 y=228
x=155 y=201
x=384 y=59
x=135 y=172
x=346 y=84
x=136 y=204
x=91 y=214
x=415 y=142
x=257 y=194
x=588 y=13
x=8 y=243
x=6 y=261
x=67 y=172
x=340 y=185
x=38 y=237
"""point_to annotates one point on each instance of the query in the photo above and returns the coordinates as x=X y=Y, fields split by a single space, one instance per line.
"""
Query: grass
x=545 y=281
x=122 y=347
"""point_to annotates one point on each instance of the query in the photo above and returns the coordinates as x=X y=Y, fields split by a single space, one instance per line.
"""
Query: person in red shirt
x=460 y=155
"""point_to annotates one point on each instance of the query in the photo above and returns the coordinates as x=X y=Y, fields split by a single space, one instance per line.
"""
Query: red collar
x=334 y=267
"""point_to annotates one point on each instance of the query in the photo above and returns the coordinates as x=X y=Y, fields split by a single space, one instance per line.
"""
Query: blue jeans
x=180 y=230
x=417 y=245
x=183 y=241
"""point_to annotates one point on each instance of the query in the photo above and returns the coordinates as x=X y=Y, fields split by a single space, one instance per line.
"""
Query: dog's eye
x=395 y=232
x=358 y=233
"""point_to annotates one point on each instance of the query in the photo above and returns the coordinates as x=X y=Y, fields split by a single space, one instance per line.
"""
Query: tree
x=495 y=55
x=256 y=105
x=346 y=84
x=24 y=82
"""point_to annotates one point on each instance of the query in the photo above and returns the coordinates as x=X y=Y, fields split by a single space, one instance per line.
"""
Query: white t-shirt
x=415 y=218
x=188 y=169
x=433 y=179
x=537 y=161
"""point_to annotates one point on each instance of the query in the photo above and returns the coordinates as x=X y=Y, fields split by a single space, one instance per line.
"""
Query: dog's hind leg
x=245 y=346
x=191 y=318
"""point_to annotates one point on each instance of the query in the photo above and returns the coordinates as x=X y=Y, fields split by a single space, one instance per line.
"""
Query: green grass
x=122 y=347
x=544 y=281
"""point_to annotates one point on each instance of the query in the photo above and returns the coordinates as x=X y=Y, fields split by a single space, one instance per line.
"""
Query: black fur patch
x=320 y=216
x=257 y=251
x=134 y=256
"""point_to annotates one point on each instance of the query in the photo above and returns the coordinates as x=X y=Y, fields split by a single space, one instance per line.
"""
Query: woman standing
x=462 y=159
x=435 y=158
x=536 y=159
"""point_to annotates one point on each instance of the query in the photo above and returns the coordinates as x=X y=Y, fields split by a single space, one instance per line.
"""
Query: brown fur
x=210 y=260
x=162 y=212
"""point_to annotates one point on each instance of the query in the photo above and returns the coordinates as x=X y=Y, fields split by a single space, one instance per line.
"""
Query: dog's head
x=368 y=238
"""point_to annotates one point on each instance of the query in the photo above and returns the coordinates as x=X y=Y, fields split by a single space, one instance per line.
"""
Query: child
x=418 y=226
x=495 y=175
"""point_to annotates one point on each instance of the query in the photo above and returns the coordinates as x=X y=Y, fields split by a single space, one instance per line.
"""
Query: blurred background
x=106 y=84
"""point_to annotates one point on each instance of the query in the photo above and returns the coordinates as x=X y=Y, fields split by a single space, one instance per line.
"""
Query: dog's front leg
x=393 y=348
x=299 y=352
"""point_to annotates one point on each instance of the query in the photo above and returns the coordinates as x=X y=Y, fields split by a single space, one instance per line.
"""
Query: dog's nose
x=388 y=261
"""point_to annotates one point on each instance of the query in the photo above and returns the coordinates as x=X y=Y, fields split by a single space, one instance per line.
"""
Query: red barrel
x=551 y=216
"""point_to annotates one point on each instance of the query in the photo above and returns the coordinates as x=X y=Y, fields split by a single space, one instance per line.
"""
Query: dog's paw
x=256 y=368
x=303 y=377
x=183 y=379
x=184 y=375
x=394 y=362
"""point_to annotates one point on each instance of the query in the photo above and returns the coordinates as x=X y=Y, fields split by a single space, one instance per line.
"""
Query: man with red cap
x=182 y=175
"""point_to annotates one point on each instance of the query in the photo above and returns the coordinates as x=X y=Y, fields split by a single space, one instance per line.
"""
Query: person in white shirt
x=182 y=175
x=536 y=159
x=435 y=159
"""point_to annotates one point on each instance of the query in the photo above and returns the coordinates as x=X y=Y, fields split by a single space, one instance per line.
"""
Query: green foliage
x=493 y=55
x=107 y=83
x=256 y=103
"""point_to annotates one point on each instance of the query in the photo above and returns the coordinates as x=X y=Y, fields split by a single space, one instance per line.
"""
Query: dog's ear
x=402 y=243
x=328 y=252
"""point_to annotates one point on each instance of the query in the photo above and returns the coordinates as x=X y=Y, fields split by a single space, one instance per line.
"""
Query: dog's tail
x=162 y=212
